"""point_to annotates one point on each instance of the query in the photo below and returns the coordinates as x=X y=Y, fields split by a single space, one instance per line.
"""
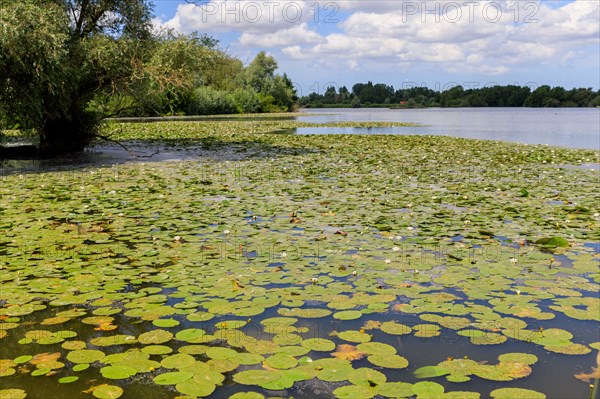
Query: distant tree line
x=369 y=94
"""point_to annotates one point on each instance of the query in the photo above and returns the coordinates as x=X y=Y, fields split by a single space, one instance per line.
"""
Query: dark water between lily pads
x=562 y=127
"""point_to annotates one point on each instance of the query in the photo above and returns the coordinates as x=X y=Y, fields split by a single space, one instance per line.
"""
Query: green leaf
x=512 y=393
x=106 y=391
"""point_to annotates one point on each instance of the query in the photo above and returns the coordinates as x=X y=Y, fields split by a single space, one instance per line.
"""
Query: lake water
x=563 y=127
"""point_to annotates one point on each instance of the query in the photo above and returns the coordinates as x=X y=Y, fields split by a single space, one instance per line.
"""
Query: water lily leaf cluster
x=278 y=261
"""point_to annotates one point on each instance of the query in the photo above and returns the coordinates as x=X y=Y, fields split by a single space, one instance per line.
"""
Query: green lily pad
x=318 y=344
x=191 y=335
x=376 y=348
x=81 y=367
x=193 y=388
x=172 y=378
x=256 y=377
x=393 y=328
x=354 y=392
x=12 y=393
x=157 y=350
x=85 y=356
x=388 y=361
x=348 y=315
x=512 y=393
x=155 y=337
x=106 y=391
x=249 y=358
x=427 y=330
x=117 y=372
x=354 y=336
x=200 y=316
x=247 y=395
x=114 y=340
x=23 y=359
x=41 y=371
x=165 y=323
x=332 y=370
x=67 y=380
x=395 y=389
x=217 y=352
x=178 y=361
x=430 y=371
x=73 y=345
x=553 y=242
x=281 y=361
x=428 y=389
x=366 y=377
x=525 y=358
x=312 y=313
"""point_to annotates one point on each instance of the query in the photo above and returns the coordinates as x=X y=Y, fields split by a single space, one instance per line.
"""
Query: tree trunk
x=63 y=135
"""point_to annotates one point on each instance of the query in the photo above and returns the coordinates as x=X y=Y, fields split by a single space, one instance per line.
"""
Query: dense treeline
x=369 y=94
x=67 y=64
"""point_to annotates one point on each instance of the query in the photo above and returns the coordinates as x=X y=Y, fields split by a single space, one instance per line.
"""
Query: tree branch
x=130 y=152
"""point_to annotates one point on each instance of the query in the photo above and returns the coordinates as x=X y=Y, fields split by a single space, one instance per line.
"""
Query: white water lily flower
x=396 y=249
x=284 y=254
x=226 y=232
x=388 y=261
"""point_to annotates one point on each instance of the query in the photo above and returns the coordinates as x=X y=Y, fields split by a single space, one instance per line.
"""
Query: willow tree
x=56 y=56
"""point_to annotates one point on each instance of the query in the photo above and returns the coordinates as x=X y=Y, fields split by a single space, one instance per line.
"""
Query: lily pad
x=255 y=377
x=23 y=359
x=318 y=344
x=157 y=350
x=512 y=393
x=155 y=337
x=354 y=392
x=216 y=352
x=393 y=328
x=12 y=393
x=377 y=348
x=85 y=356
x=308 y=313
x=67 y=380
x=117 y=372
x=281 y=361
x=178 y=361
x=106 y=391
x=348 y=315
x=366 y=377
x=193 y=388
x=172 y=378
x=388 y=361
x=354 y=336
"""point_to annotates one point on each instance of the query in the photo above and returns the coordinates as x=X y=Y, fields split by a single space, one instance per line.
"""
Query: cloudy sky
x=437 y=43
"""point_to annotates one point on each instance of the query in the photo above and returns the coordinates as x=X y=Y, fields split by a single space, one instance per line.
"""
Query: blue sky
x=437 y=43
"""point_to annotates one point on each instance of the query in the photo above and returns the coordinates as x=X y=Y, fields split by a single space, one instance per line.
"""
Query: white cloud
x=245 y=16
x=487 y=37
x=297 y=34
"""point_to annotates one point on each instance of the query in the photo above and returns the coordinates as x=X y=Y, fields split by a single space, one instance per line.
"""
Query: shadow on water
x=150 y=151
